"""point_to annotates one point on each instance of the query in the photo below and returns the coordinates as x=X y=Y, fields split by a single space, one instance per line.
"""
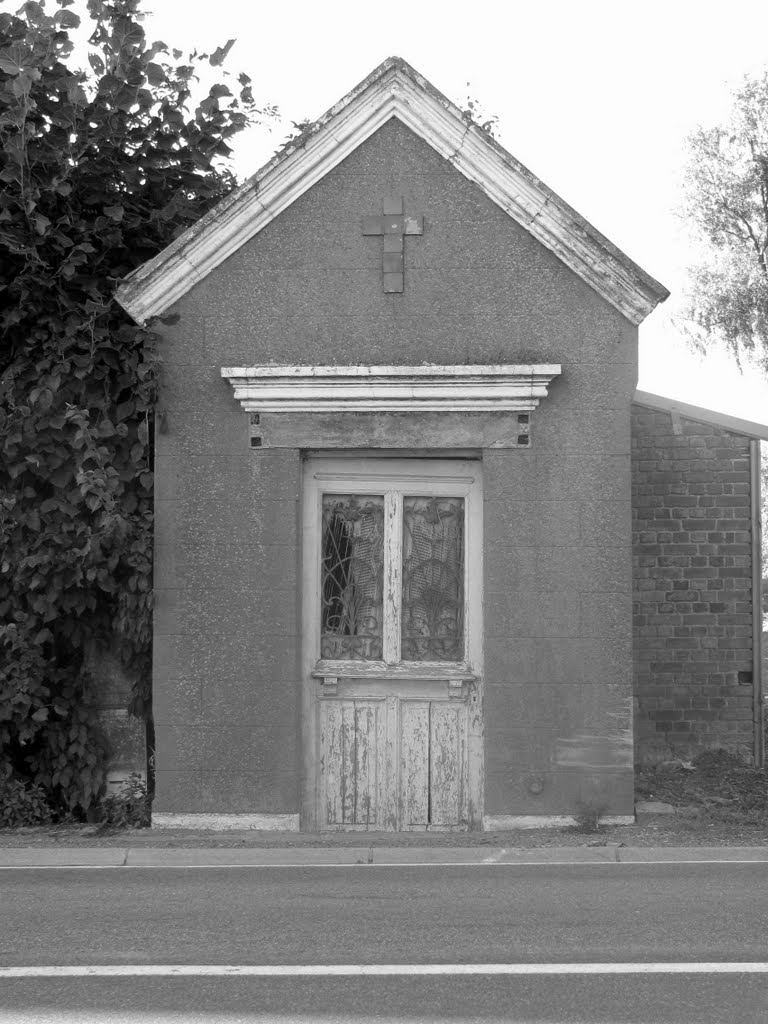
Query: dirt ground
x=656 y=831
x=718 y=801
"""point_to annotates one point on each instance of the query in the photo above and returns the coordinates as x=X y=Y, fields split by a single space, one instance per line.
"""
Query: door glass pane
x=433 y=579
x=352 y=577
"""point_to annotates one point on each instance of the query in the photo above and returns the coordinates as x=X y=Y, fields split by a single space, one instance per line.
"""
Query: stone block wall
x=126 y=736
x=693 y=614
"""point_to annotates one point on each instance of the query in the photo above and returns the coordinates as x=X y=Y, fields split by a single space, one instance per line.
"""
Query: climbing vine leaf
x=99 y=171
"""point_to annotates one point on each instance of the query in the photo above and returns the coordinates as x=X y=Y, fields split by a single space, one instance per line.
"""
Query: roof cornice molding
x=336 y=389
x=392 y=90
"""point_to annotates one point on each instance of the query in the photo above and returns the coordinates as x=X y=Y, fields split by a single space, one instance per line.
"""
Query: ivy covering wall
x=99 y=170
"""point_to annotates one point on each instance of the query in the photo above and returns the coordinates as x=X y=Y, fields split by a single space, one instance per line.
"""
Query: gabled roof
x=747 y=428
x=394 y=89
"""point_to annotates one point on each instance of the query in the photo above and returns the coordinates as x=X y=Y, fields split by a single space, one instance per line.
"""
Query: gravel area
x=658 y=830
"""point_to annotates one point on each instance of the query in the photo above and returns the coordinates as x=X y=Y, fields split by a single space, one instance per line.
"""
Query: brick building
x=696 y=554
x=393 y=566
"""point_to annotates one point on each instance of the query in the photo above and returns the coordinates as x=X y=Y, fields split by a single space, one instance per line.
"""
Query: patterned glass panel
x=433 y=579
x=352 y=577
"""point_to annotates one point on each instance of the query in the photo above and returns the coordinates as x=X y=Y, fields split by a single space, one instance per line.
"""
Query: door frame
x=343 y=473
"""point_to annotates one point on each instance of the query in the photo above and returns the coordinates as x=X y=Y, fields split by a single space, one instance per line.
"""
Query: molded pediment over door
x=392 y=644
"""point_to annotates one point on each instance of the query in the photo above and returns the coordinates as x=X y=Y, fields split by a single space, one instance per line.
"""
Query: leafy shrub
x=99 y=171
x=22 y=804
x=130 y=806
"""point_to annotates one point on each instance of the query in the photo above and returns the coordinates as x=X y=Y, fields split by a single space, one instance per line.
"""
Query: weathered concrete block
x=249 y=793
x=520 y=791
x=178 y=748
x=177 y=700
x=510 y=568
x=268 y=703
x=602 y=569
x=219 y=426
x=220 y=657
x=605 y=615
x=517 y=613
x=177 y=791
x=582 y=477
x=239 y=609
x=652 y=807
x=524 y=523
x=167 y=612
x=566 y=709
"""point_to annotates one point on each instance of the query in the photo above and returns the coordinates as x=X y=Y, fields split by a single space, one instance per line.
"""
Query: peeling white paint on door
x=395 y=761
x=414 y=764
x=352 y=745
x=389 y=744
x=433 y=765
x=447 y=764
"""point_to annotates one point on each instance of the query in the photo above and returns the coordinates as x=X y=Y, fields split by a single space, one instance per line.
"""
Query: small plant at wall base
x=98 y=173
x=129 y=807
x=588 y=815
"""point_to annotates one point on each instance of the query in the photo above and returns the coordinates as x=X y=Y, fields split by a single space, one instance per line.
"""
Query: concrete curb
x=62 y=857
x=199 y=857
x=254 y=857
x=672 y=854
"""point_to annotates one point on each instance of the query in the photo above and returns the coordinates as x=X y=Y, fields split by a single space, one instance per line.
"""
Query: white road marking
x=485 y=863
x=372 y=970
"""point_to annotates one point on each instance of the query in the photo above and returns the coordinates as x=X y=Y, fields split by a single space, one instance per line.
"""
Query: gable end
x=393 y=90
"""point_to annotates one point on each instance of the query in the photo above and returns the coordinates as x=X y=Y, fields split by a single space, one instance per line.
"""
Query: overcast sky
x=594 y=96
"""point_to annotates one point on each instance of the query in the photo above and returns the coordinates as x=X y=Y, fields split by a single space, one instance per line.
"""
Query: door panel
x=414 y=763
x=433 y=764
x=396 y=749
x=447 y=767
x=352 y=743
x=392 y=654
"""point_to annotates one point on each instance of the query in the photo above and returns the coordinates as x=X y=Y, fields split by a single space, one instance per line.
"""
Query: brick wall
x=692 y=587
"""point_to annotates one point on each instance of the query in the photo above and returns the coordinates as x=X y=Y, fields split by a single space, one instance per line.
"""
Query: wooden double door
x=392 y=644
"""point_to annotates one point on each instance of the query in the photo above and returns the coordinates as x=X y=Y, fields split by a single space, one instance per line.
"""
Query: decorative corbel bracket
x=456 y=689
x=330 y=685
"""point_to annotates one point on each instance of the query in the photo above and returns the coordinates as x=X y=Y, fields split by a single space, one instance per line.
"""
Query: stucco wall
x=226 y=627
x=478 y=289
x=692 y=546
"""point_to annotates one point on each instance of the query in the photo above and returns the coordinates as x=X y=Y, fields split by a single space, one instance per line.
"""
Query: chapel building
x=423 y=557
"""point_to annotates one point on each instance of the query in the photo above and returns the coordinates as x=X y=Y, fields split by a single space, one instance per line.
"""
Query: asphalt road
x=511 y=914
